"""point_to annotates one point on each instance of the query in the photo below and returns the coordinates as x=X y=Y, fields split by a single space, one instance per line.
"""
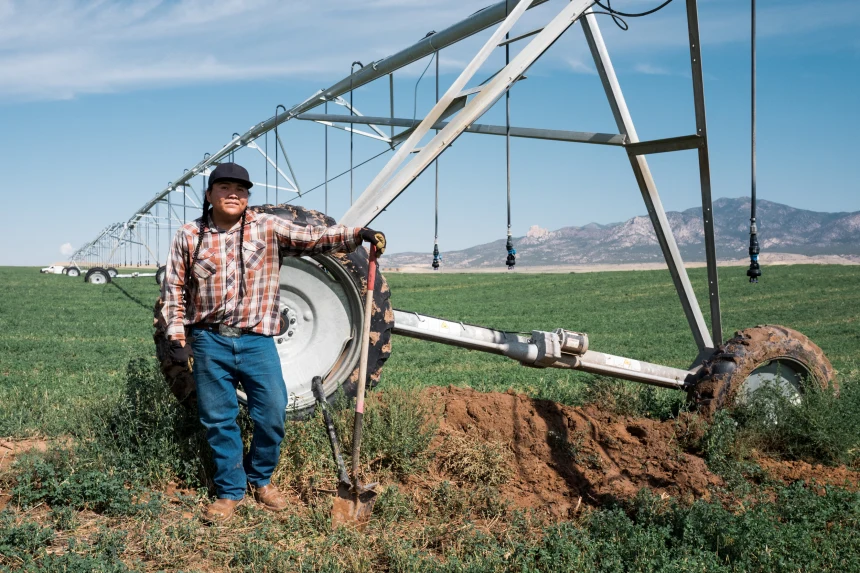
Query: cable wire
x=341 y=174
x=415 y=93
x=618 y=16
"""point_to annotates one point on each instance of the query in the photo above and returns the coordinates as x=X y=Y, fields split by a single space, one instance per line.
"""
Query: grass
x=76 y=361
x=64 y=344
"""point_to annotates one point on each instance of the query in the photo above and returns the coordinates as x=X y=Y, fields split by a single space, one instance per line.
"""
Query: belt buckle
x=229 y=331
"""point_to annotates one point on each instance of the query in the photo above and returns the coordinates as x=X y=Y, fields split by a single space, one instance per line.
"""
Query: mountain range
x=781 y=229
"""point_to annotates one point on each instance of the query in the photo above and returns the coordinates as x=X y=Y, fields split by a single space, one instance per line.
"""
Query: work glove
x=181 y=355
x=374 y=238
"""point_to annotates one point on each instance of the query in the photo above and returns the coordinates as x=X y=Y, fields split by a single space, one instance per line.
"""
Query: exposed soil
x=792 y=471
x=9 y=449
x=565 y=458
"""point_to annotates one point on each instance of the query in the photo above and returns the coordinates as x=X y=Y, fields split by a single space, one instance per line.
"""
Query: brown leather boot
x=270 y=497
x=221 y=510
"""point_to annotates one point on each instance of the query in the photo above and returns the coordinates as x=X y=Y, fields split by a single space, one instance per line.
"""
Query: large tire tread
x=723 y=374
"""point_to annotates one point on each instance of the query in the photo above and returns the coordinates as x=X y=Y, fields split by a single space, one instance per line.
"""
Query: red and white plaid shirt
x=216 y=277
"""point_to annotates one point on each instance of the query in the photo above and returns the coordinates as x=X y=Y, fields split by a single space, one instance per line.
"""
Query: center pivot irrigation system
x=321 y=297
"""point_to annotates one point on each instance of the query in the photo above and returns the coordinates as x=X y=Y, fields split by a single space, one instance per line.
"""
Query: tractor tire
x=112 y=272
x=97 y=276
x=753 y=357
x=340 y=370
x=72 y=271
x=159 y=274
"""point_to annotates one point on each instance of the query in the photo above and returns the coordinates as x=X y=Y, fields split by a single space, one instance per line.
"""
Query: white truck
x=72 y=271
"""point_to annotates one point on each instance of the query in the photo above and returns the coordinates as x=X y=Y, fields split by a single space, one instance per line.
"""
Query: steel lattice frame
x=455 y=113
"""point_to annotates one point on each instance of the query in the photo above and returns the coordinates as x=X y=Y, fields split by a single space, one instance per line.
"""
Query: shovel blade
x=352 y=507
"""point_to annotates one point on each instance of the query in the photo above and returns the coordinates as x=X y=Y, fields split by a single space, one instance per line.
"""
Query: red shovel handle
x=362 y=368
x=371 y=270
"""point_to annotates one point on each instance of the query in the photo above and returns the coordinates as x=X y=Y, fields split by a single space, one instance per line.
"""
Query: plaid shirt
x=216 y=274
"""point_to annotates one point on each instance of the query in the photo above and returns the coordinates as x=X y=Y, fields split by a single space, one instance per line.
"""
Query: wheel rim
x=97 y=279
x=323 y=310
x=112 y=273
x=784 y=373
x=72 y=273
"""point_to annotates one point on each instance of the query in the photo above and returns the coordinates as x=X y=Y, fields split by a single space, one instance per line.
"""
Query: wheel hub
x=320 y=310
x=783 y=373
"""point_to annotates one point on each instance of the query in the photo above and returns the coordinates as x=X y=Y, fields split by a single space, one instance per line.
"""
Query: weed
x=571 y=447
x=473 y=460
x=447 y=499
x=488 y=502
x=393 y=506
x=53 y=480
x=148 y=434
x=399 y=427
x=19 y=542
x=65 y=518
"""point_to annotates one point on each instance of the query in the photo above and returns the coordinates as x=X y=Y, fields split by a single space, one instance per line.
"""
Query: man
x=221 y=288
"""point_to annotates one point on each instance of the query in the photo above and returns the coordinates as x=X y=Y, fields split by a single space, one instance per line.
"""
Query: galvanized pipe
x=541 y=349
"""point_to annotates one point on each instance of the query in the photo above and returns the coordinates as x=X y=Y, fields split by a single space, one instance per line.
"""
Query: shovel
x=343 y=480
x=354 y=501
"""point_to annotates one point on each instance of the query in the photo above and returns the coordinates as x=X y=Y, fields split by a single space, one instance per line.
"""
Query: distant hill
x=782 y=229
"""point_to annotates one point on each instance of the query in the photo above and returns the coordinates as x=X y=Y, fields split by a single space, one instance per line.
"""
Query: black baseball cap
x=230 y=172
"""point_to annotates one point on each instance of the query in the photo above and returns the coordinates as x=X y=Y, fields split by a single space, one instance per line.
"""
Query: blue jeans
x=220 y=364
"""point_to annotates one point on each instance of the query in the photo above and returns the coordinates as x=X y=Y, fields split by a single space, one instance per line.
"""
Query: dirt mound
x=791 y=471
x=559 y=458
x=564 y=457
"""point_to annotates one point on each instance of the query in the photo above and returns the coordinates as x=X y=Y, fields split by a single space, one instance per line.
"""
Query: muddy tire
x=754 y=356
x=112 y=272
x=72 y=271
x=97 y=276
x=159 y=275
x=343 y=373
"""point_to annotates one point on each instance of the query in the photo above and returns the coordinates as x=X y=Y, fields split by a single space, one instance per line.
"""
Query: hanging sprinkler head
x=512 y=254
x=436 y=258
x=754 y=272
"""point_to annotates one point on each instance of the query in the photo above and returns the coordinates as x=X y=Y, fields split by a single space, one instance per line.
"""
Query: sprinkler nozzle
x=754 y=272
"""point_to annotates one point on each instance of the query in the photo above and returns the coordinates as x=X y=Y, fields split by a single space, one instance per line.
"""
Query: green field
x=65 y=345
x=76 y=361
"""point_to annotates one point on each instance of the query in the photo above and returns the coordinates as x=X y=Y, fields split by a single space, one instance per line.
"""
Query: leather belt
x=222 y=329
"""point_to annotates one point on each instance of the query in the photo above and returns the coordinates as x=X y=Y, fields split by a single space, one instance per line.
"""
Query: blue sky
x=102 y=103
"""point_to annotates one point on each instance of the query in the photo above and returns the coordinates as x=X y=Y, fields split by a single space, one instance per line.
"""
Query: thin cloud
x=63 y=49
x=580 y=66
x=66 y=249
x=651 y=70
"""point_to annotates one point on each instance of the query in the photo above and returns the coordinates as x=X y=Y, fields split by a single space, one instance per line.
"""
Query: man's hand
x=180 y=354
x=374 y=238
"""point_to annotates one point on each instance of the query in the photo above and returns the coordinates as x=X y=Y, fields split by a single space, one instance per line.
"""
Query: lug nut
x=280 y=340
x=292 y=321
x=290 y=333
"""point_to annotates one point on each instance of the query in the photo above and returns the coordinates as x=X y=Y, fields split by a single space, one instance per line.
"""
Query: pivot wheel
x=321 y=316
x=159 y=274
x=97 y=276
x=759 y=356
x=112 y=272
x=72 y=272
